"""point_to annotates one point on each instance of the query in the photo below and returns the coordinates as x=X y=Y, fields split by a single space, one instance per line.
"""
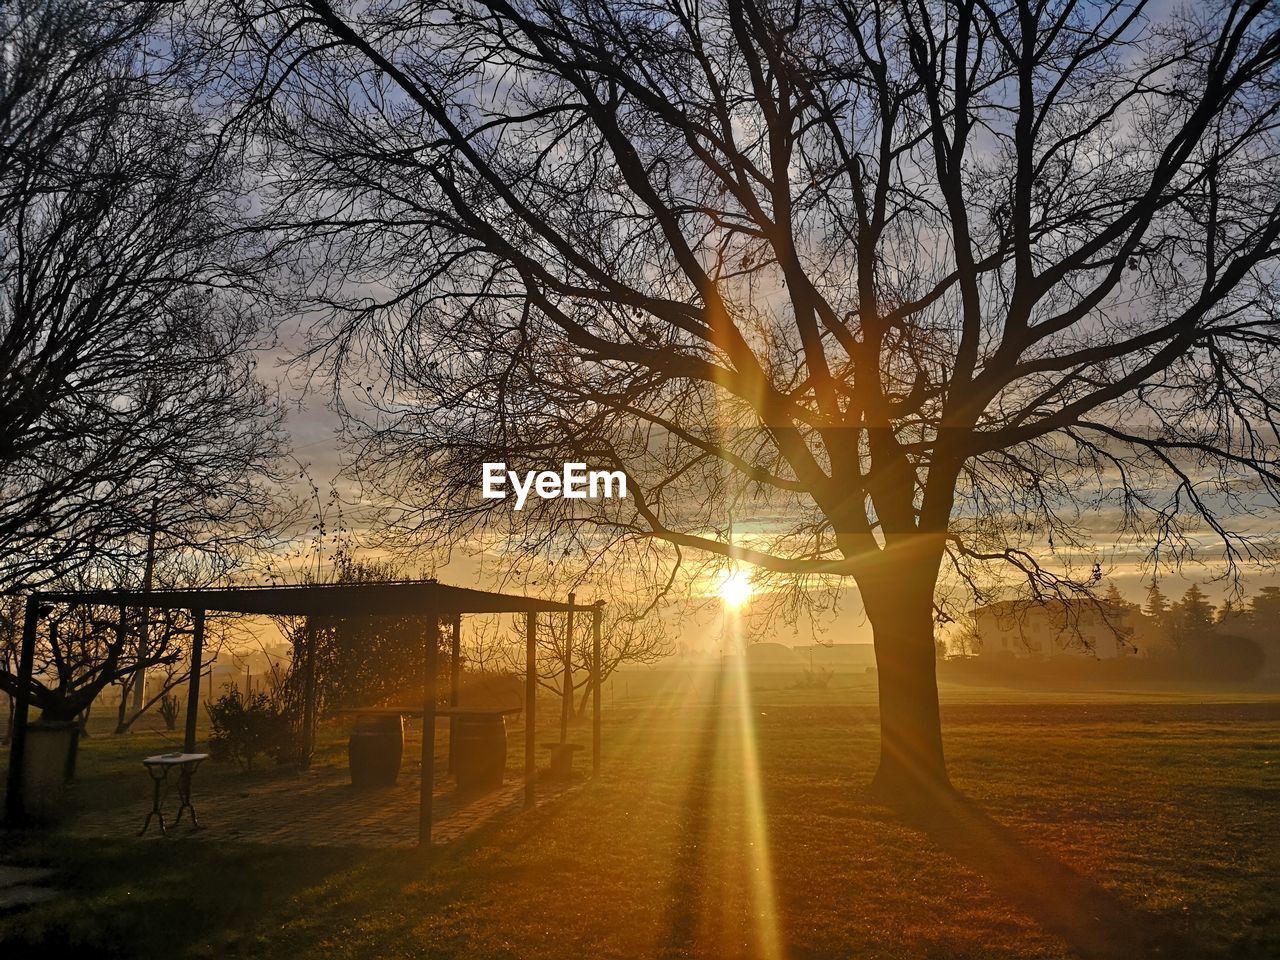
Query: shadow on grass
x=694 y=829
x=1095 y=923
x=138 y=899
x=130 y=899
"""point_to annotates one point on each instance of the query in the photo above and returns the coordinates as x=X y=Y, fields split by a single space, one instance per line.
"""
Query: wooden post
x=455 y=679
x=530 y=702
x=566 y=698
x=308 y=695
x=597 y=680
x=193 y=684
x=428 y=729
x=15 y=806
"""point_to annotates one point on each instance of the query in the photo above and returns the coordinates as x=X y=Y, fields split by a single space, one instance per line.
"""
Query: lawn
x=1097 y=825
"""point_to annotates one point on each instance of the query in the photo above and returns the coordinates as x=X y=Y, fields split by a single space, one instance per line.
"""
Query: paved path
x=319 y=808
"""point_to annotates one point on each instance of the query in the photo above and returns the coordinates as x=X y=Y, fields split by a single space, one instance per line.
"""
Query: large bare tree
x=866 y=290
x=131 y=418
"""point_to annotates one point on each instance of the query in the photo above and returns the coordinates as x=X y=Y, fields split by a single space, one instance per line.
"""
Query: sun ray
x=740 y=712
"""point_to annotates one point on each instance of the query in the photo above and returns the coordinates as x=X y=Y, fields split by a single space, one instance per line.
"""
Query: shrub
x=1221 y=657
x=246 y=727
x=818 y=679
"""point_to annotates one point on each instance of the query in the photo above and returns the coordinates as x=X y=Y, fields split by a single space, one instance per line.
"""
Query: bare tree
x=127 y=384
x=163 y=648
x=85 y=649
x=628 y=635
x=908 y=286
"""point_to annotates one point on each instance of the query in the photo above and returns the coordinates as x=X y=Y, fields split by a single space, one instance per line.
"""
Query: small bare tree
x=170 y=705
x=143 y=689
x=628 y=635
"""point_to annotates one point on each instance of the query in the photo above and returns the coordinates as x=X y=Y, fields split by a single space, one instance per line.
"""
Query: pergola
x=429 y=600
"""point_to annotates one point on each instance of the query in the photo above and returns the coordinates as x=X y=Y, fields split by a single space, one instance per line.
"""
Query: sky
x=315 y=433
x=314 y=430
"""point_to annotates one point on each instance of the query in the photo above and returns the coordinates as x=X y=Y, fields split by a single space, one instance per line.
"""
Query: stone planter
x=49 y=764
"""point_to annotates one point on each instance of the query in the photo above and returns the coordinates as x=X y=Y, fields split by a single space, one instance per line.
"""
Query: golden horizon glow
x=735 y=589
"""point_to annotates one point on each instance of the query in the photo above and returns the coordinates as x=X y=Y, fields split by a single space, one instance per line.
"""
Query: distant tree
x=1263 y=625
x=1193 y=617
x=1265 y=607
x=628 y=636
x=922 y=286
x=140 y=690
x=11 y=614
x=170 y=706
x=127 y=385
x=1115 y=598
x=966 y=641
x=1119 y=617
x=1157 y=605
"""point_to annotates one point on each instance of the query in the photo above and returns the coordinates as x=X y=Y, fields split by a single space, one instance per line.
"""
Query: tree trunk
x=123 y=720
x=899 y=604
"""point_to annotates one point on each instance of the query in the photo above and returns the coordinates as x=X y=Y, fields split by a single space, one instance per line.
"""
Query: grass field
x=1094 y=825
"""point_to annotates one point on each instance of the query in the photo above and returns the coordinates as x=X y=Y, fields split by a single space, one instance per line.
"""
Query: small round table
x=158 y=768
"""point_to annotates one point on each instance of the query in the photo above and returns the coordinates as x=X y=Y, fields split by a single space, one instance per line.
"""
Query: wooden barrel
x=480 y=752
x=375 y=749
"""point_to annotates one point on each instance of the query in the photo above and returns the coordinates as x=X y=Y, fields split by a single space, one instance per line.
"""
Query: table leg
x=184 y=794
x=159 y=779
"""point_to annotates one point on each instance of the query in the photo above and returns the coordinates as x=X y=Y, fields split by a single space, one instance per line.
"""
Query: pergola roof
x=397 y=598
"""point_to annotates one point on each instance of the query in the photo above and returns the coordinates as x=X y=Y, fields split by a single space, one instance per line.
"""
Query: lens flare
x=735 y=589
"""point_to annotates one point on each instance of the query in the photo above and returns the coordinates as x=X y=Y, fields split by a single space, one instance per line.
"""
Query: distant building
x=849 y=656
x=772 y=657
x=1037 y=630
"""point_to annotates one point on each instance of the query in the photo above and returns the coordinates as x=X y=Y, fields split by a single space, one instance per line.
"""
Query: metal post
x=428 y=730
x=455 y=679
x=308 y=695
x=530 y=702
x=566 y=698
x=597 y=615
x=122 y=634
x=193 y=685
x=15 y=807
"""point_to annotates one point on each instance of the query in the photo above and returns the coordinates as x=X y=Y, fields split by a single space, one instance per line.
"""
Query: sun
x=735 y=589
